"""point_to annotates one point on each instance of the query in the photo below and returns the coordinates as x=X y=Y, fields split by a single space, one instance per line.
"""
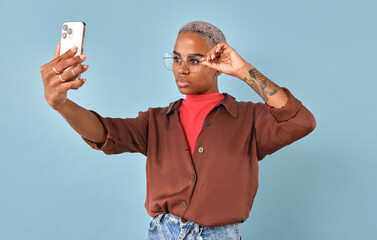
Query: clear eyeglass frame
x=172 y=62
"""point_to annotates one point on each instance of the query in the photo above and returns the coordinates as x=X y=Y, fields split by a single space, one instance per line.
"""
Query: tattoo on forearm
x=261 y=84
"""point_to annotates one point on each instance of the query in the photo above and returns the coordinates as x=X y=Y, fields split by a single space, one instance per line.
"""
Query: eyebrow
x=190 y=55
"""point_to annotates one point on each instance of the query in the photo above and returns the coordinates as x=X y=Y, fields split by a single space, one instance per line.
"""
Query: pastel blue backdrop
x=54 y=186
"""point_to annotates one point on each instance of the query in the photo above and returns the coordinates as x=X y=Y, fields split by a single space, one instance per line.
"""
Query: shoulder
x=243 y=105
x=161 y=111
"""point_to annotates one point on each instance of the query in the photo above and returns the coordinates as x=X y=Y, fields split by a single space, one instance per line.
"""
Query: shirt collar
x=229 y=102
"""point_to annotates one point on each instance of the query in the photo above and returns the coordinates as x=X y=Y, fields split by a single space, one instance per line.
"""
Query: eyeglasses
x=173 y=61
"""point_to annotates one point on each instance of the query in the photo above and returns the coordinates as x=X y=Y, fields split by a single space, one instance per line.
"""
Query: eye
x=194 y=61
x=176 y=59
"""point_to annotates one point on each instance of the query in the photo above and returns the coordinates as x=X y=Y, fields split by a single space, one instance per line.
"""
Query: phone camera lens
x=65 y=27
x=64 y=35
x=69 y=31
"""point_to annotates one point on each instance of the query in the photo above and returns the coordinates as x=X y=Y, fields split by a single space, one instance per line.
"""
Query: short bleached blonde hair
x=210 y=32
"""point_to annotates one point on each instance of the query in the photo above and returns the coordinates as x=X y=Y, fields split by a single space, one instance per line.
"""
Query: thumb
x=57 y=52
x=213 y=65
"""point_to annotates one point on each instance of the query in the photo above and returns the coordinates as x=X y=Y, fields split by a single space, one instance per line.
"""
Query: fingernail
x=212 y=56
x=84 y=80
x=83 y=56
x=86 y=67
x=73 y=48
x=217 y=50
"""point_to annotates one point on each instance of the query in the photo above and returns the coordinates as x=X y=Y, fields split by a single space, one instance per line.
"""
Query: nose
x=182 y=68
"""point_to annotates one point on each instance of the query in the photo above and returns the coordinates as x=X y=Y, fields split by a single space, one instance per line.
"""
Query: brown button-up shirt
x=218 y=183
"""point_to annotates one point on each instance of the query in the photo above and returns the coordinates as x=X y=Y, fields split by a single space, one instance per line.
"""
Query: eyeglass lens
x=172 y=62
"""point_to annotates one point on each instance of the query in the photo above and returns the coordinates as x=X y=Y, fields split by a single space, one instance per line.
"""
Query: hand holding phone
x=57 y=75
x=72 y=34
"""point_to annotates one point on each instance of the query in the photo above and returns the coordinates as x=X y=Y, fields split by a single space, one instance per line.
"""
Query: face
x=202 y=82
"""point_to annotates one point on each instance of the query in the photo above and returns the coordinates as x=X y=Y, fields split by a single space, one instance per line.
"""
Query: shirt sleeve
x=279 y=127
x=123 y=134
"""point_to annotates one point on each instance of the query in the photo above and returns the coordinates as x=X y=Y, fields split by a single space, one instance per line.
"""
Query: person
x=202 y=152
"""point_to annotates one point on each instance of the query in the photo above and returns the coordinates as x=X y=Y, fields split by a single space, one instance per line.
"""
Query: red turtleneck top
x=193 y=111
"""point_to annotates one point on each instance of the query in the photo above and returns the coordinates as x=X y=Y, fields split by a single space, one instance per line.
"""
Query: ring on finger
x=53 y=68
x=61 y=79
x=74 y=74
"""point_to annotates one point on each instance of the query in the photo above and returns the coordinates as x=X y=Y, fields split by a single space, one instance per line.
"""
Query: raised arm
x=282 y=119
x=225 y=59
x=271 y=93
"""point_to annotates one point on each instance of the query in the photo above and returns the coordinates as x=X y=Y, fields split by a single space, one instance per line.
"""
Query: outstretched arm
x=53 y=73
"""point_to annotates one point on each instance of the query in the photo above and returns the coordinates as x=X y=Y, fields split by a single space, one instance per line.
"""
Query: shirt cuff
x=109 y=142
x=289 y=110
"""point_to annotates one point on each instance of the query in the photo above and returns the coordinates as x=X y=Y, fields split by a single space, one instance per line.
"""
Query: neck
x=202 y=97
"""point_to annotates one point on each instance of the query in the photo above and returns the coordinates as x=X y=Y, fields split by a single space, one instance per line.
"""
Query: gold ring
x=74 y=74
x=61 y=79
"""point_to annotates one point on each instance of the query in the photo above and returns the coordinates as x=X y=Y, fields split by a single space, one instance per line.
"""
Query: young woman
x=202 y=151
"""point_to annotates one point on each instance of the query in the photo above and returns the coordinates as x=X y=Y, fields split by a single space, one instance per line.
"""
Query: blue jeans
x=166 y=226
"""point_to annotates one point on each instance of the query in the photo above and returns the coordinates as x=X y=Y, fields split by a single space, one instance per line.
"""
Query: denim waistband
x=182 y=222
x=161 y=222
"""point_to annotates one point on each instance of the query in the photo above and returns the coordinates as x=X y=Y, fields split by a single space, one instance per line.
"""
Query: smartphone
x=72 y=34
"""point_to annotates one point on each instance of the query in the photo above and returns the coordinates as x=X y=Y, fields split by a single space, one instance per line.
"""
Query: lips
x=181 y=82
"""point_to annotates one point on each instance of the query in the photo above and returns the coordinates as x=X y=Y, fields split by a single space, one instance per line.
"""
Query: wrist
x=243 y=73
x=61 y=107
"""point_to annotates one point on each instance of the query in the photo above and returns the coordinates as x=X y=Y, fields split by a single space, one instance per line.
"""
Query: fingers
x=68 y=54
x=212 y=57
x=57 y=52
x=71 y=73
x=69 y=62
x=216 y=52
x=71 y=85
x=47 y=69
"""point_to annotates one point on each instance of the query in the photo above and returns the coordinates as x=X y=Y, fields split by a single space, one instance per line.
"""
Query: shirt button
x=184 y=204
x=201 y=149
x=208 y=123
x=192 y=177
